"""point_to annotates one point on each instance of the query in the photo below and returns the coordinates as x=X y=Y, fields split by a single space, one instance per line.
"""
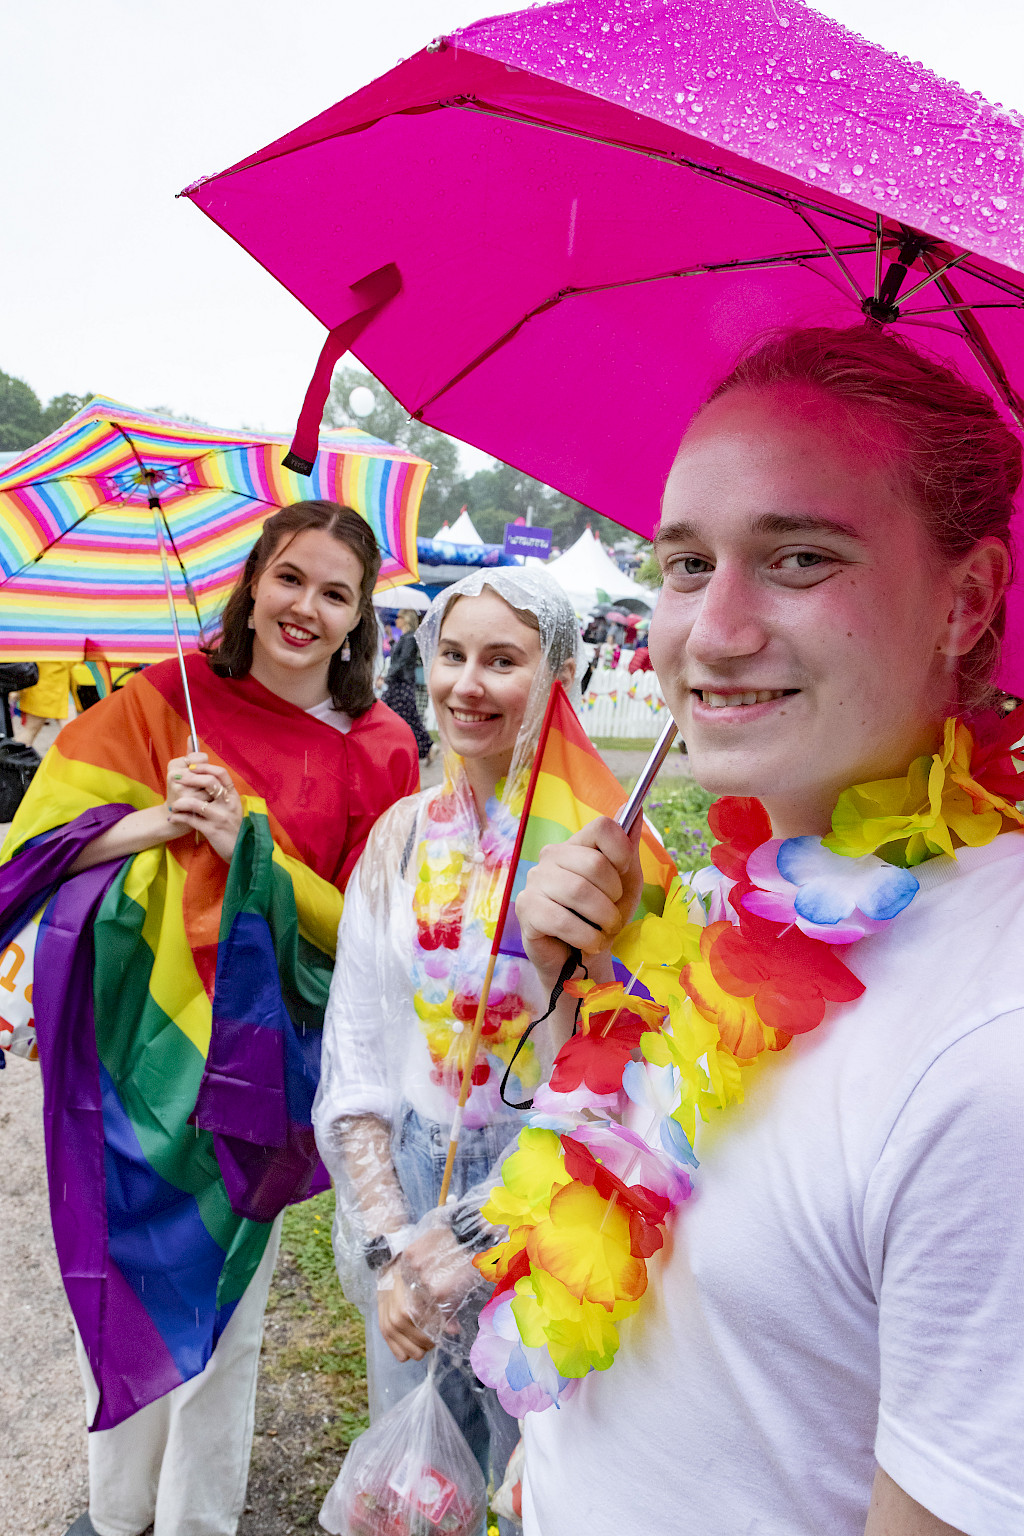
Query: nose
x=303 y=602
x=470 y=682
x=730 y=623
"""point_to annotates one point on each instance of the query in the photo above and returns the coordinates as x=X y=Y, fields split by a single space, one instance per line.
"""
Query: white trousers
x=182 y=1462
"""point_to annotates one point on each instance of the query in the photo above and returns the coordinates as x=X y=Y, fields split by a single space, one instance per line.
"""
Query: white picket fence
x=623 y=705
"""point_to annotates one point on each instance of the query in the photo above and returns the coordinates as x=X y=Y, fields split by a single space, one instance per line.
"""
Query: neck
x=304 y=688
x=483 y=774
x=809 y=812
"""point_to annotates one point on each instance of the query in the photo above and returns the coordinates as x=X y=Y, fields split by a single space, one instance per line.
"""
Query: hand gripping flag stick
x=626 y=819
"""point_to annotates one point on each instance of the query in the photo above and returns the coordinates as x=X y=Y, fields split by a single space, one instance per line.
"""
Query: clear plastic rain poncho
x=413 y=946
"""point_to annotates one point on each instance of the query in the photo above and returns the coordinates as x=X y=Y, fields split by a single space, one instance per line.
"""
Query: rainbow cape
x=570 y=786
x=179 y=1003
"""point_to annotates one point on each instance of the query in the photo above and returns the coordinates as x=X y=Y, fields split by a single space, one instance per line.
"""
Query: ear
x=978 y=583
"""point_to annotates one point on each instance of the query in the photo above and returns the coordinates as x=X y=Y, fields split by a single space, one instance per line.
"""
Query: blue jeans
x=420 y=1148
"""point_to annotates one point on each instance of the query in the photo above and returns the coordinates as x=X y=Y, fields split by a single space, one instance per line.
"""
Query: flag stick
x=499 y=929
x=626 y=819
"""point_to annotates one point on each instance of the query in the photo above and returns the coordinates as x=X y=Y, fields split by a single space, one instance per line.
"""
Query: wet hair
x=957 y=462
x=350 y=682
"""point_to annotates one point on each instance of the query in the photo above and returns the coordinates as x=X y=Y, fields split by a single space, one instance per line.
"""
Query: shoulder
x=390 y=843
x=381 y=726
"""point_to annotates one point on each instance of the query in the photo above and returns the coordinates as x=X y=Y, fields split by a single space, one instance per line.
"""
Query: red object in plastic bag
x=410 y=1474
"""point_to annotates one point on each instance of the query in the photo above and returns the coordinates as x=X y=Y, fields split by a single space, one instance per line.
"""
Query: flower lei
x=585 y=1199
x=460 y=878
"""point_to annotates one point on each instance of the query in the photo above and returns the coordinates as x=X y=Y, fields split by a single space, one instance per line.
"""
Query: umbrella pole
x=154 y=502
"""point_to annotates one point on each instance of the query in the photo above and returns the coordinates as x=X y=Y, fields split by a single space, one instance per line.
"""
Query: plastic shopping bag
x=410 y=1474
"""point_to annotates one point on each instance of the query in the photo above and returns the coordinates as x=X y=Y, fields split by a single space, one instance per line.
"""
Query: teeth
x=732 y=700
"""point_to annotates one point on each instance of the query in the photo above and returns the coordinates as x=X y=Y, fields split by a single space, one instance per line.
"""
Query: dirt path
x=43 y=1479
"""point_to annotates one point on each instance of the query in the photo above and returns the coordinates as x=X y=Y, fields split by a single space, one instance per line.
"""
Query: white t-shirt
x=847 y=1281
x=337 y=718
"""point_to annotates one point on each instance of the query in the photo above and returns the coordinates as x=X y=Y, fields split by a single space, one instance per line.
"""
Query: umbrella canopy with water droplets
x=583 y=211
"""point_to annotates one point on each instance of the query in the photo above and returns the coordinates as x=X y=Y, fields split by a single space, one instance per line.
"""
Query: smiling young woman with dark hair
x=200 y=894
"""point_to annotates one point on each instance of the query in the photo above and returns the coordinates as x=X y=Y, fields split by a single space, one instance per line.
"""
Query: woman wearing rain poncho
x=412 y=951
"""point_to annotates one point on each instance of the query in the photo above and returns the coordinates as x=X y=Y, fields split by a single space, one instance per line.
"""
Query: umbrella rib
x=931 y=278
x=754 y=264
x=832 y=251
x=977 y=341
x=716 y=173
x=947 y=309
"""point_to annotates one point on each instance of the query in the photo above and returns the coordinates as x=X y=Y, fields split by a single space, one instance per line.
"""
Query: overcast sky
x=108 y=109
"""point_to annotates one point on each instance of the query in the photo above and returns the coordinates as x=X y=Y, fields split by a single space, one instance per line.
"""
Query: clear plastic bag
x=410 y=1474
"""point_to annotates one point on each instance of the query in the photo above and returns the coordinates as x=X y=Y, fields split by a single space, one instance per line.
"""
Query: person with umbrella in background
x=190 y=890
x=832 y=1339
x=400 y=690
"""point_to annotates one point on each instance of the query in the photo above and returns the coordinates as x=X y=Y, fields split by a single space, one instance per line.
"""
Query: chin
x=723 y=772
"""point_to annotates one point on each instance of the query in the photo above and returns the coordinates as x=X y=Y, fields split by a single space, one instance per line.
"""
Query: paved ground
x=43 y=1478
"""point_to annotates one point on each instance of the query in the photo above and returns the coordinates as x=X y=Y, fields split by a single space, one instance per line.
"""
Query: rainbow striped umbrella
x=78 y=555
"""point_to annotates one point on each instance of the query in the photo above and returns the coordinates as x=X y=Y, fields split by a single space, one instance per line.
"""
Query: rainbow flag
x=178 y=1003
x=571 y=786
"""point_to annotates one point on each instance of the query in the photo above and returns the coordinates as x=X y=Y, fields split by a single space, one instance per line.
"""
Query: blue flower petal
x=891 y=890
x=800 y=859
x=676 y=1142
x=517 y=1371
x=823 y=901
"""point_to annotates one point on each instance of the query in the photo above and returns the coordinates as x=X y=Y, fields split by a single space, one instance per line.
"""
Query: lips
x=295 y=635
x=470 y=717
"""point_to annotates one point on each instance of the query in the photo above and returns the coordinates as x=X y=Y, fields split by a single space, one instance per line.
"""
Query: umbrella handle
x=154 y=502
x=634 y=805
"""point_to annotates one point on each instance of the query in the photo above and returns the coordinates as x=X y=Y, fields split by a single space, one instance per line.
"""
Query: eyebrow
x=768 y=522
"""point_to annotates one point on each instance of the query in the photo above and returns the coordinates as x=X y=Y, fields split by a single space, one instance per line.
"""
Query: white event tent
x=586 y=570
x=462 y=531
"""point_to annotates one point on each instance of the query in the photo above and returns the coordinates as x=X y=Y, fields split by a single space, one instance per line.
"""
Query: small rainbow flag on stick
x=570 y=786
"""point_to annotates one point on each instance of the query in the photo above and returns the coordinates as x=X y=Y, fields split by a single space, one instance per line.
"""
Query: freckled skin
x=860 y=617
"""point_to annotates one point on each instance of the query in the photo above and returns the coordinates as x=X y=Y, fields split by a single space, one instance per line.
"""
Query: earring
x=252 y=622
x=346 y=651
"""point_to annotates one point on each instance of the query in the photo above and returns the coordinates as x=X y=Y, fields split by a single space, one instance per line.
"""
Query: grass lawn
x=679 y=810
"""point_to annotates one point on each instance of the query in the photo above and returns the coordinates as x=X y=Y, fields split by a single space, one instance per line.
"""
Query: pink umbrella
x=552 y=231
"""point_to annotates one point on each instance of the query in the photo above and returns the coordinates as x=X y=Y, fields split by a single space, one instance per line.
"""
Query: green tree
x=23 y=420
x=20 y=414
x=60 y=409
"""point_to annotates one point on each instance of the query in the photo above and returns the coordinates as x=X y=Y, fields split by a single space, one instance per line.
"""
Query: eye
x=801 y=560
x=686 y=572
x=805 y=567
